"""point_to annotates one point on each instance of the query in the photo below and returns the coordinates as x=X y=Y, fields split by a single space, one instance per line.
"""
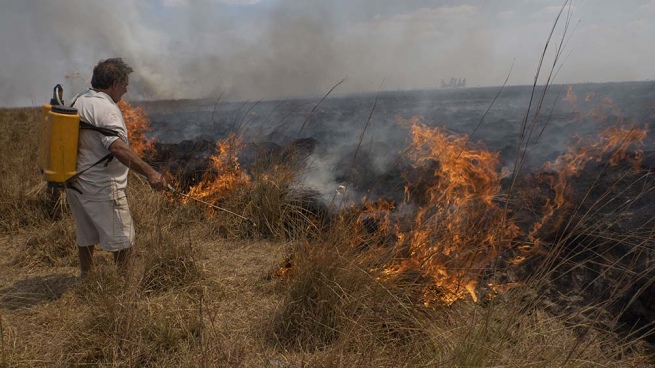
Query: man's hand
x=157 y=181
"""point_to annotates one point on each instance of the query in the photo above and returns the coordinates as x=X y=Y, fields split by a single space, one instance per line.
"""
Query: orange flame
x=617 y=140
x=613 y=139
x=226 y=176
x=571 y=97
x=460 y=229
x=138 y=125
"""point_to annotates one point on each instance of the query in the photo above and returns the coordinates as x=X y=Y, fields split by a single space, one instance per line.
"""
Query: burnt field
x=352 y=140
x=473 y=191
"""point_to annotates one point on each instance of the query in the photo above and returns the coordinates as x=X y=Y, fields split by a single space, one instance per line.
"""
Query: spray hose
x=57 y=96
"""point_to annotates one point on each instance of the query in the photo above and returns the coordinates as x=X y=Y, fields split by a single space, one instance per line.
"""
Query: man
x=100 y=211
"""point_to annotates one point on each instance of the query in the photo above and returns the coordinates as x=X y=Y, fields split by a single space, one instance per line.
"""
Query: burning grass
x=457 y=239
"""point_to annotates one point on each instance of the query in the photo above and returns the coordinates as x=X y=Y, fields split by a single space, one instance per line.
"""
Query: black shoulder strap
x=104 y=131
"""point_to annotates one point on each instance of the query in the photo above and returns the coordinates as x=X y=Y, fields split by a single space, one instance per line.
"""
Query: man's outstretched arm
x=129 y=158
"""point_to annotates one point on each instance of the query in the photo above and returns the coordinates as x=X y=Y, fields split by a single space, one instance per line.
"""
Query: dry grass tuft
x=282 y=211
x=333 y=304
x=53 y=244
x=122 y=327
x=169 y=268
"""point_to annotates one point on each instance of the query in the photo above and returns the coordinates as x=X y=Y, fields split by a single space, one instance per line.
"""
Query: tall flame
x=138 y=124
x=616 y=139
x=226 y=175
x=459 y=229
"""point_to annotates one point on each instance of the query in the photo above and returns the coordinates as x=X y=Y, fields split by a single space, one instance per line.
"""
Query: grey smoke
x=287 y=49
x=251 y=50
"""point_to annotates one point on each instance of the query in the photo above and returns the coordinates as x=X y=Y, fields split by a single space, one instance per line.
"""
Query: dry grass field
x=210 y=290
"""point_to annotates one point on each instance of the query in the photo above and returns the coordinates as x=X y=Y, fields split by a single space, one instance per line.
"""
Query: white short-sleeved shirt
x=100 y=183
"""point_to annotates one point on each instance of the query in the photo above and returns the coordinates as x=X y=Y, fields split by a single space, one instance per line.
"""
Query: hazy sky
x=265 y=49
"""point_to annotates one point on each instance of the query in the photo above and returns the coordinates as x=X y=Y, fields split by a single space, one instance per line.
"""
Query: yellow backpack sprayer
x=60 y=129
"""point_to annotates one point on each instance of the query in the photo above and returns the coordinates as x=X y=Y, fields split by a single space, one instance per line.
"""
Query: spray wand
x=177 y=192
x=174 y=191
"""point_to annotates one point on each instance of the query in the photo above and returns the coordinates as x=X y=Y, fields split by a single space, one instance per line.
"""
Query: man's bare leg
x=122 y=259
x=86 y=260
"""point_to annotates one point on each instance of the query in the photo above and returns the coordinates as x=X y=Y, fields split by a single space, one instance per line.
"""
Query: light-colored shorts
x=107 y=223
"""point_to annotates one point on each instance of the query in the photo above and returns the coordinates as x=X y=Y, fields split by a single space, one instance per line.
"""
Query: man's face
x=118 y=89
